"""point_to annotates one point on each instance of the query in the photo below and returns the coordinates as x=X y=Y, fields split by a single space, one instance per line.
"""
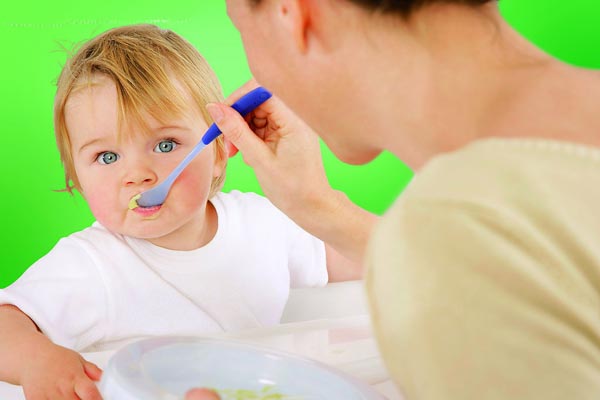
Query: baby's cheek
x=194 y=185
x=195 y=181
x=99 y=204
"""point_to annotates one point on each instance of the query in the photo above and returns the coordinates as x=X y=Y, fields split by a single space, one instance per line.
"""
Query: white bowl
x=166 y=368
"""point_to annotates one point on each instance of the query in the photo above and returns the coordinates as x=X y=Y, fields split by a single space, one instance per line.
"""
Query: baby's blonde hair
x=141 y=60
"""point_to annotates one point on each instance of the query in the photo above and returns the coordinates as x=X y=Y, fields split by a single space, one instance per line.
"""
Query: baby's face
x=111 y=172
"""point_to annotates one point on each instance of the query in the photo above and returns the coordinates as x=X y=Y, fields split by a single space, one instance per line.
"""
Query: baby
x=130 y=105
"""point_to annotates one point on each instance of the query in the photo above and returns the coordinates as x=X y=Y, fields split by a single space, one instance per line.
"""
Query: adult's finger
x=201 y=394
x=236 y=130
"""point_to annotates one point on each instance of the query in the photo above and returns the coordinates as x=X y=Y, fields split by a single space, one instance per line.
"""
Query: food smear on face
x=133 y=202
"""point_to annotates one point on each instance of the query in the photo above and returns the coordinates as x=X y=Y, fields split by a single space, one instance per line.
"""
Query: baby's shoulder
x=78 y=252
x=94 y=234
x=95 y=239
x=249 y=213
x=244 y=203
x=240 y=198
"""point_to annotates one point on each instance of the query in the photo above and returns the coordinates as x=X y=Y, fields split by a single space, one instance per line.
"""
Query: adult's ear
x=314 y=24
x=298 y=18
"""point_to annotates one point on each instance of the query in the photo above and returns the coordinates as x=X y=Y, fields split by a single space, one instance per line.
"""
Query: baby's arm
x=44 y=369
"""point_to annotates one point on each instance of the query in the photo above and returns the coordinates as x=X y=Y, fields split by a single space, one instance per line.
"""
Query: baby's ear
x=230 y=149
x=221 y=156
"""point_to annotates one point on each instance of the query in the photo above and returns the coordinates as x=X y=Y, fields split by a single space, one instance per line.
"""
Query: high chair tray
x=166 y=368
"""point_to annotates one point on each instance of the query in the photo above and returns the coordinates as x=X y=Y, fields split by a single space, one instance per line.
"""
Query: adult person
x=484 y=276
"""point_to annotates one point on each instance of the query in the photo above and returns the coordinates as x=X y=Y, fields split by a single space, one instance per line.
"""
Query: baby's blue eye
x=107 y=157
x=165 y=146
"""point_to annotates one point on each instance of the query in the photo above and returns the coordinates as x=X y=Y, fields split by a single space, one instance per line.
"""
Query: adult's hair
x=406 y=7
x=403 y=7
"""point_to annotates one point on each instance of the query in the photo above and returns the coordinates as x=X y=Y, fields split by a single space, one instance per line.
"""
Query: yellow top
x=484 y=276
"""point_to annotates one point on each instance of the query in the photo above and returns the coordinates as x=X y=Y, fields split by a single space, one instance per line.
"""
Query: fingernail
x=215 y=112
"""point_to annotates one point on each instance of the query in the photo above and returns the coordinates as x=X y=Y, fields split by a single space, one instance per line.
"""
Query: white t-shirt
x=96 y=289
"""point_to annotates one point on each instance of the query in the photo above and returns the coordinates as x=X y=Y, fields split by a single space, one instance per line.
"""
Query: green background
x=34 y=35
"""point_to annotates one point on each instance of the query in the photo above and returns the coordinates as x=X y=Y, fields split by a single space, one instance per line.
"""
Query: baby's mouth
x=147 y=211
x=144 y=211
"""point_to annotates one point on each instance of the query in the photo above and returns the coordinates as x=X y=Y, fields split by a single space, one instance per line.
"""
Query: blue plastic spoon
x=157 y=195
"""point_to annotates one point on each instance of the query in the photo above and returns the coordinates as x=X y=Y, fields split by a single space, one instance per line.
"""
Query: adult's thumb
x=201 y=394
x=237 y=131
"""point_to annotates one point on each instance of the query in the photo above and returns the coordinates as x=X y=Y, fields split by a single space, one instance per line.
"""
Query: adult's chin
x=353 y=156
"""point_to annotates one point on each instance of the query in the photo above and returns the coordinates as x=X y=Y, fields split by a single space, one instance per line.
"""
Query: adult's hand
x=286 y=157
x=282 y=150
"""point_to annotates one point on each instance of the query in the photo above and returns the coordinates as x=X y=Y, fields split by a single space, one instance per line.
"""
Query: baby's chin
x=156 y=228
x=147 y=233
x=148 y=229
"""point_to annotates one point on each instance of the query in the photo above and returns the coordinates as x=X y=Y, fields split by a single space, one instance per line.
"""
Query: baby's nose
x=140 y=175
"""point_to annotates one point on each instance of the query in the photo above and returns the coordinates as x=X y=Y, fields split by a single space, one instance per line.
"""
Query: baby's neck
x=197 y=233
